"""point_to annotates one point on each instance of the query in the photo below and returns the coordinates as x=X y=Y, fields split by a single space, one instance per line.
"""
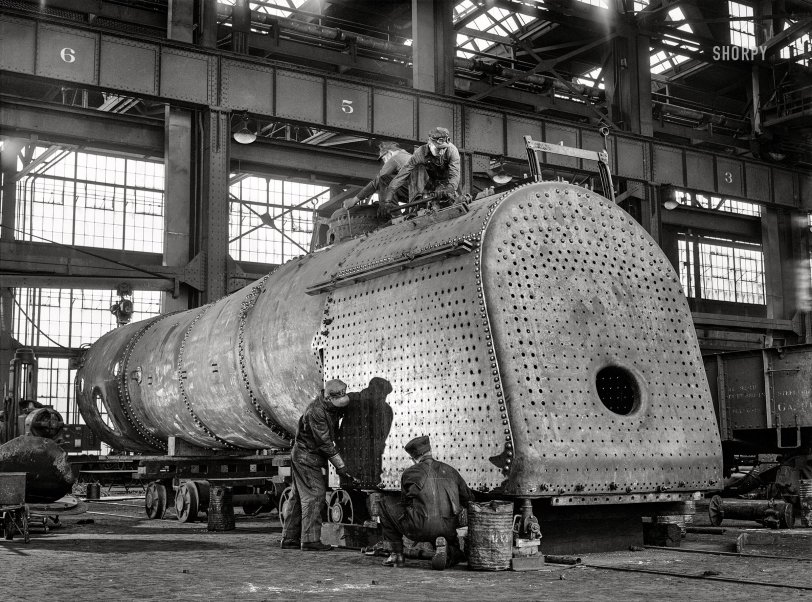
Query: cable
x=80 y=250
x=34 y=324
x=700 y=577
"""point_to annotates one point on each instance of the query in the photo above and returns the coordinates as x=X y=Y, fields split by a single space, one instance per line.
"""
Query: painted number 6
x=346 y=106
x=68 y=55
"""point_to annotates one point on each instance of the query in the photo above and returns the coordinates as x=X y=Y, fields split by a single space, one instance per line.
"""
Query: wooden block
x=527 y=563
x=584 y=535
x=662 y=534
x=353 y=537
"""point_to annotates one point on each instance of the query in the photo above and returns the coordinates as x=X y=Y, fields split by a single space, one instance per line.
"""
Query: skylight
x=598 y=3
x=495 y=24
x=799 y=46
x=276 y=8
x=661 y=60
x=742 y=33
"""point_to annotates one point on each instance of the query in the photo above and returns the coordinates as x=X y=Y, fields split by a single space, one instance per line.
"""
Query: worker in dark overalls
x=313 y=448
x=432 y=496
x=394 y=158
x=434 y=167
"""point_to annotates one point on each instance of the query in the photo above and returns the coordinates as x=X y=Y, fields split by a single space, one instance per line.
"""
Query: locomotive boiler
x=539 y=337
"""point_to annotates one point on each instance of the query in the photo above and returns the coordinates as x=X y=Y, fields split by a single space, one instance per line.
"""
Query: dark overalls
x=433 y=494
x=314 y=444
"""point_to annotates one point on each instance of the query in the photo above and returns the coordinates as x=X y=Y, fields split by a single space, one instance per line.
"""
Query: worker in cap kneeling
x=394 y=158
x=313 y=448
x=434 y=167
x=432 y=496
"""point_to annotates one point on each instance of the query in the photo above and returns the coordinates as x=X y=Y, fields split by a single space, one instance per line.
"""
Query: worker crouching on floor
x=433 y=495
x=314 y=446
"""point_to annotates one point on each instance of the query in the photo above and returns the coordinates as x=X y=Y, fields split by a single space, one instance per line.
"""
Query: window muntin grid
x=71 y=317
x=55 y=387
x=800 y=45
x=598 y=3
x=250 y=239
x=494 y=20
x=742 y=33
x=717 y=203
x=727 y=270
x=92 y=200
x=662 y=60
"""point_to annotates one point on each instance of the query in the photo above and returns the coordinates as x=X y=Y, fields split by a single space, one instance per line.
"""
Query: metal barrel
x=490 y=535
x=221 y=509
x=805 y=495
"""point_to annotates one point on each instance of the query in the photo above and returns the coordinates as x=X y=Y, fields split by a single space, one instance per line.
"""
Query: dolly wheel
x=187 y=502
x=155 y=500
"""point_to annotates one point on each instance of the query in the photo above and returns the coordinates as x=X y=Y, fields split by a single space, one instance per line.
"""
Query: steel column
x=216 y=141
x=177 y=198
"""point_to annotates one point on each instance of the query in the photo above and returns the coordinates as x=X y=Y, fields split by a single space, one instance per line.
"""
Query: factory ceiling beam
x=82 y=127
x=185 y=75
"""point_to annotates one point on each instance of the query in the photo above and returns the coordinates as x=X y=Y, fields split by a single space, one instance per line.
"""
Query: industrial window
x=742 y=26
x=665 y=60
x=277 y=8
x=598 y=3
x=721 y=270
x=55 y=387
x=62 y=317
x=271 y=221
x=640 y=5
x=801 y=46
x=89 y=199
x=497 y=26
x=717 y=203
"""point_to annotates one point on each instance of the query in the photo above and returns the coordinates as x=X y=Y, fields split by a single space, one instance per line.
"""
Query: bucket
x=93 y=491
x=805 y=501
x=221 y=509
x=490 y=535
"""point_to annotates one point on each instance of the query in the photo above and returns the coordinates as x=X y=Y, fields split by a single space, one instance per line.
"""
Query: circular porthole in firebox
x=618 y=390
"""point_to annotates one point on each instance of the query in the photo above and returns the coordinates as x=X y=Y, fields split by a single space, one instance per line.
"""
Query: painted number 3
x=346 y=106
x=68 y=55
x=728 y=177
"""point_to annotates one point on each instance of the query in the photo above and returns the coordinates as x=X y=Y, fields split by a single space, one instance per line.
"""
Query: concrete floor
x=126 y=557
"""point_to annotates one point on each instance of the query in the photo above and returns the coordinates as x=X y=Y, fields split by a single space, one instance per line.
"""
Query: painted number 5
x=728 y=177
x=68 y=55
x=346 y=106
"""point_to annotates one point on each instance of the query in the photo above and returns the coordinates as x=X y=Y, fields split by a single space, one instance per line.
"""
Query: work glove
x=346 y=476
x=351 y=202
x=385 y=209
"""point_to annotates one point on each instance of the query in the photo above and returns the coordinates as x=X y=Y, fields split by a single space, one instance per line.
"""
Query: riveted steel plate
x=631 y=160
x=757 y=182
x=667 y=166
x=299 y=96
x=586 y=311
x=784 y=190
x=517 y=128
x=185 y=75
x=128 y=65
x=393 y=114
x=17 y=43
x=699 y=171
x=68 y=54
x=432 y=113
x=555 y=133
x=485 y=131
x=806 y=192
x=729 y=177
x=421 y=329
x=593 y=141
x=348 y=106
x=247 y=87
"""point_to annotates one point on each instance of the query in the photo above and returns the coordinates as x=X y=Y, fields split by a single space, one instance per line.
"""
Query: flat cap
x=418 y=446
x=386 y=146
x=335 y=388
x=439 y=132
